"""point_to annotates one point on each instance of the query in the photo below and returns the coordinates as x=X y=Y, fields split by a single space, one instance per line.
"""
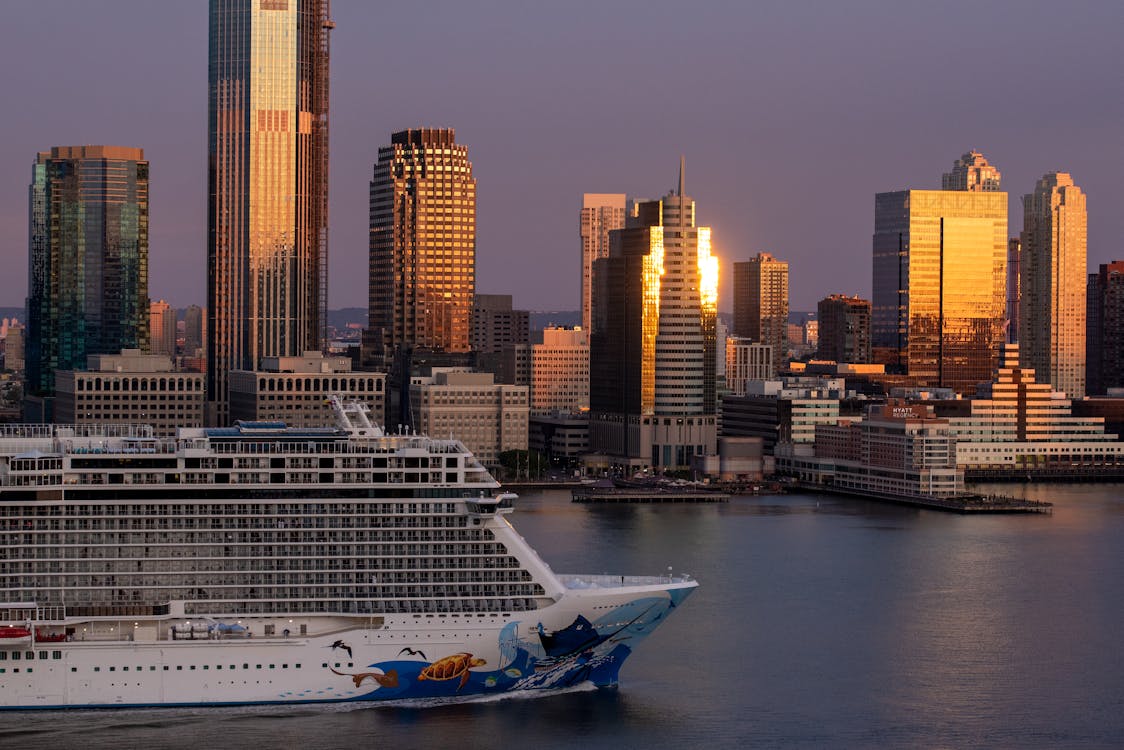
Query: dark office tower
x=844 y=332
x=496 y=325
x=1105 y=342
x=88 y=259
x=761 y=303
x=652 y=360
x=423 y=245
x=1014 y=288
x=267 y=245
x=194 y=330
x=940 y=284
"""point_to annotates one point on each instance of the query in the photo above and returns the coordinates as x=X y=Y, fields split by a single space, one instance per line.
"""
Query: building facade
x=652 y=350
x=1104 y=345
x=496 y=325
x=972 y=173
x=267 y=245
x=601 y=213
x=130 y=387
x=844 y=329
x=746 y=360
x=162 y=328
x=422 y=245
x=939 y=300
x=560 y=372
x=14 y=342
x=761 y=303
x=489 y=418
x=294 y=390
x=1053 y=283
x=88 y=259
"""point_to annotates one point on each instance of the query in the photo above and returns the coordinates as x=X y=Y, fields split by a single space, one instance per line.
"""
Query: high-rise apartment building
x=1052 y=284
x=1104 y=345
x=560 y=372
x=267 y=245
x=761 y=303
x=422 y=245
x=601 y=213
x=844 y=329
x=194 y=330
x=973 y=173
x=88 y=260
x=162 y=328
x=652 y=358
x=1014 y=288
x=940 y=283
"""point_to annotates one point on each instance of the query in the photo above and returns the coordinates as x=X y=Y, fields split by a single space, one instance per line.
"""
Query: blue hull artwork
x=532 y=658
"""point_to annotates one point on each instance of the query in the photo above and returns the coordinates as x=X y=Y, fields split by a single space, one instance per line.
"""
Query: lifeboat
x=9 y=631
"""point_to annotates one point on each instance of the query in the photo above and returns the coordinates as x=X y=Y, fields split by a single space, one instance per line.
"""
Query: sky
x=791 y=116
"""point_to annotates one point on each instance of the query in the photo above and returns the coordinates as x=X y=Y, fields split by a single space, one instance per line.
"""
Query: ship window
x=153 y=669
x=245 y=666
x=113 y=669
x=56 y=654
x=284 y=666
x=179 y=667
x=257 y=666
x=3 y=655
x=30 y=670
x=192 y=667
x=165 y=667
x=42 y=654
x=123 y=669
x=2 y=670
x=97 y=669
x=296 y=666
x=325 y=665
x=29 y=655
x=74 y=669
x=271 y=666
x=205 y=666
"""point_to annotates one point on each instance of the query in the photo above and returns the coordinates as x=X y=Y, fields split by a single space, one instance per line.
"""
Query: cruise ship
x=263 y=564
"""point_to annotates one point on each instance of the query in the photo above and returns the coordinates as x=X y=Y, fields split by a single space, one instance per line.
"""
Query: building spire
x=681 y=161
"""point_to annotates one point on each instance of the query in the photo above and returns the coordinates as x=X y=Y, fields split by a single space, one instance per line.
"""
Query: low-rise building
x=787 y=409
x=898 y=449
x=294 y=390
x=739 y=459
x=130 y=388
x=746 y=360
x=559 y=436
x=488 y=417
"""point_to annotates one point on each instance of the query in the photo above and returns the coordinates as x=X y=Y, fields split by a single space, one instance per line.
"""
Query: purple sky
x=791 y=116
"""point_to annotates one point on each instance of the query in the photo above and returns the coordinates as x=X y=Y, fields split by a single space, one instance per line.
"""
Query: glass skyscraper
x=88 y=259
x=267 y=142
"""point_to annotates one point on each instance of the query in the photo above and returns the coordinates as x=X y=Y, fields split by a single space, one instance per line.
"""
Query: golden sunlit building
x=422 y=246
x=560 y=372
x=973 y=173
x=1053 y=283
x=652 y=358
x=940 y=284
x=268 y=186
x=601 y=214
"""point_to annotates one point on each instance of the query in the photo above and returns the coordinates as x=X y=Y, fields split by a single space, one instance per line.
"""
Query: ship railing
x=606 y=581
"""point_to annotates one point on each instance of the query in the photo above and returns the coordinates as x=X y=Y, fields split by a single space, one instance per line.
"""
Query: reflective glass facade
x=939 y=283
x=423 y=244
x=268 y=185
x=88 y=258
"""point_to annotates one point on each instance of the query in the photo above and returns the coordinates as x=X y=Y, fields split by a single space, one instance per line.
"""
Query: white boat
x=266 y=564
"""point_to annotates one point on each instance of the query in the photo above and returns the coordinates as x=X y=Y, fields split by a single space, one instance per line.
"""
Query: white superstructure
x=261 y=563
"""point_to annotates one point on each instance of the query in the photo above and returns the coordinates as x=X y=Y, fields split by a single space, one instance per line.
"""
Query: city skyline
x=847 y=117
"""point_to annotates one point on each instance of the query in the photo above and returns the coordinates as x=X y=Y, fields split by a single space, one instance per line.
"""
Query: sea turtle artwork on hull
x=452 y=667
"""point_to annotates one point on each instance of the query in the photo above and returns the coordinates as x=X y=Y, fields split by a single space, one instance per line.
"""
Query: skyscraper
x=844 y=330
x=652 y=358
x=88 y=259
x=1053 y=283
x=267 y=245
x=1104 y=345
x=162 y=328
x=940 y=283
x=761 y=303
x=601 y=213
x=973 y=173
x=423 y=245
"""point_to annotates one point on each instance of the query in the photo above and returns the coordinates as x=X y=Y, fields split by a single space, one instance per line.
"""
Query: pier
x=646 y=495
x=972 y=504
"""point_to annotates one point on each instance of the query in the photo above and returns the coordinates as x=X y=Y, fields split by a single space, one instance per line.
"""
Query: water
x=820 y=622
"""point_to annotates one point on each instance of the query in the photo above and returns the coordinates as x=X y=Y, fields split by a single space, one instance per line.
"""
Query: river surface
x=820 y=622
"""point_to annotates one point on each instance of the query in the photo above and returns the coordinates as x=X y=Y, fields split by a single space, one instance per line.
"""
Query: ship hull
x=582 y=638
